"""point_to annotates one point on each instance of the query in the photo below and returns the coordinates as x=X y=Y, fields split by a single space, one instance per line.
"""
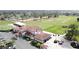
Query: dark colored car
x=75 y=44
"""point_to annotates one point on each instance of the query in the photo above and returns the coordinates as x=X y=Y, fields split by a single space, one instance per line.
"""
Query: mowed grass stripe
x=55 y=24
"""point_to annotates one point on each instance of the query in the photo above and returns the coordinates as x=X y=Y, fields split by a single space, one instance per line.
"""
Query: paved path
x=22 y=44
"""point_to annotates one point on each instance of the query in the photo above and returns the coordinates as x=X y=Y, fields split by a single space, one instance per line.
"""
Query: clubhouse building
x=33 y=32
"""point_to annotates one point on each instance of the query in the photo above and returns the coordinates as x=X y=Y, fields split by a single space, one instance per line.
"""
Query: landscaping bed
x=6 y=44
x=36 y=44
x=26 y=38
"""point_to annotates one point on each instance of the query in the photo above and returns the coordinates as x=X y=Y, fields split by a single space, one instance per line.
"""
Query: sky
x=39 y=5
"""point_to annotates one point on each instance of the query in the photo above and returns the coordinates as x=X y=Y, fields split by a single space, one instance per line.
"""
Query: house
x=34 y=32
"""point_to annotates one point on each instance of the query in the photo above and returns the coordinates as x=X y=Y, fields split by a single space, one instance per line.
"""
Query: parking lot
x=20 y=43
x=51 y=45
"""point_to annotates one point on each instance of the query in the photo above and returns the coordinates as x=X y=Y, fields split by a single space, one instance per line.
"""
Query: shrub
x=5 y=30
x=9 y=44
x=1 y=46
x=36 y=44
x=26 y=38
x=64 y=26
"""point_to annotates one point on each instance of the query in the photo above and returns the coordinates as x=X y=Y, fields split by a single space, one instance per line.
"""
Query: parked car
x=75 y=44
x=55 y=41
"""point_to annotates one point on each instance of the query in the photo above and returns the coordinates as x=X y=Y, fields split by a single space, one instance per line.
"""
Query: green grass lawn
x=54 y=25
x=5 y=25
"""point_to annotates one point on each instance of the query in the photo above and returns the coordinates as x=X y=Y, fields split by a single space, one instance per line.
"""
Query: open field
x=54 y=25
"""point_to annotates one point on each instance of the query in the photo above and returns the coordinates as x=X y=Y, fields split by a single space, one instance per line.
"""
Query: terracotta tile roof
x=42 y=36
x=30 y=28
x=39 y=35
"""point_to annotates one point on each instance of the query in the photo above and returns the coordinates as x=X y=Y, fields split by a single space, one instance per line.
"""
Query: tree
x=77 y=19
x=72 y=32
x=22 y=16
x=49 y=15
x=67 y=14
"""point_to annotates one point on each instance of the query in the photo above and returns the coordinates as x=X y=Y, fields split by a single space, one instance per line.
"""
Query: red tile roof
x=39 y=35
x=42 y=36
x=29 y=28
